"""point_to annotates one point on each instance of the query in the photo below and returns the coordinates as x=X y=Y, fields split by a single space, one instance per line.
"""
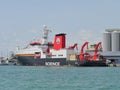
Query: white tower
x=45 y=35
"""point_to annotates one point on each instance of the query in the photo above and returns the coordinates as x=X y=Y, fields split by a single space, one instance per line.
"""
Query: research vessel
x=45 y=53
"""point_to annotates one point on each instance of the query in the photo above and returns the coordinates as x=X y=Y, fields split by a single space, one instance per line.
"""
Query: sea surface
x=59 y=78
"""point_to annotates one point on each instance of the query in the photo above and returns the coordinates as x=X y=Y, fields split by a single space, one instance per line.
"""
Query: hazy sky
x=82 y=20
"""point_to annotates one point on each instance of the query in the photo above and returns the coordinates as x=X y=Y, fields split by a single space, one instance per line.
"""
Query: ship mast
x=46 y=31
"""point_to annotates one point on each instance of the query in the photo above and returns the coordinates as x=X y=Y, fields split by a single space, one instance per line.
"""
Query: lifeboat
x=35 y=43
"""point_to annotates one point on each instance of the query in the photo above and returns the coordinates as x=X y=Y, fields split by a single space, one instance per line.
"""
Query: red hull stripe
x=25 y=55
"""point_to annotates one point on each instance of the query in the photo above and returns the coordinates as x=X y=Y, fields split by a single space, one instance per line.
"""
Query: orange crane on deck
x=96 y=55
x=84 y=56
x=74 y=46
x=88 y=56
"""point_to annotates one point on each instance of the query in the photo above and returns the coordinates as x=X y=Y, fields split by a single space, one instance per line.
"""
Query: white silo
x=115 y=41
x=107 y=41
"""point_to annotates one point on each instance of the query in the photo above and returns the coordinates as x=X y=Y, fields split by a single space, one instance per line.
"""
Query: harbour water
x=59 y=78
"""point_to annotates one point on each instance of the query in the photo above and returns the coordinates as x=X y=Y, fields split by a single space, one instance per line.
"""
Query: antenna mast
x=46 y=31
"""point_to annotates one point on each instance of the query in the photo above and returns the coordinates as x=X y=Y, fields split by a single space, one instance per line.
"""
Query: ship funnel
x=59 y=41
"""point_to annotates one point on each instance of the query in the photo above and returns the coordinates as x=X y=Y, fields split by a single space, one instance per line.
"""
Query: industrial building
x=111 y=45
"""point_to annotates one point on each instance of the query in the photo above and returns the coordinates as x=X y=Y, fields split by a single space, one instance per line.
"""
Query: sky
x=21 y=21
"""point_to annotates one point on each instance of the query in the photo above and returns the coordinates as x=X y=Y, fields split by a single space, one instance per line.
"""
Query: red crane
x=72 y=47
x=96 y=55
x=81 y=57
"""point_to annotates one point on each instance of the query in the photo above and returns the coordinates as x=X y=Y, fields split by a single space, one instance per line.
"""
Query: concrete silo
x=107 y=41
x=115 y=41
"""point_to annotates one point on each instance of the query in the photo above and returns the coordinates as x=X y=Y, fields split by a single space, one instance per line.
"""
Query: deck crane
x=86 y=59
x=82 y=54
x=74 y=46
x=96 y=55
